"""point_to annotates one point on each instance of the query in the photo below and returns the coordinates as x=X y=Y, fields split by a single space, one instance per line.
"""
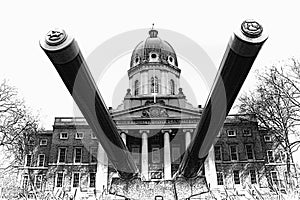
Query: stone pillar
x=123 y=135
x=145 y=167
x=167 y=155
x=102 y=170
x=188 y=137
x=210 y=169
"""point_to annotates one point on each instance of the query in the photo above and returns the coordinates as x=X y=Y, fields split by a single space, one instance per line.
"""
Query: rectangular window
x=62 y=155
x=253 y=177
x=286 y=177
x=176 y=154
x=268 y=138
x=28 y=160
x=218 y=153
x=41 y=160
x=79 y=135
x=249 y=151
x=93 y=136
x=236 y=177
x=94 y=151
x=59 y=179
x=233 y=152
x=77 y=155
x=92 y=179
x=63 y=135
x=155 y=155
x=247 y=132
x=135 y=152
x=270 y=156
x=76 y=177
x=274 y=177
x=220 y=180
x=231 y=133
x=283 y=156
x=38 y=181
x=278 y=157
x=25 y=181
x=43 y=142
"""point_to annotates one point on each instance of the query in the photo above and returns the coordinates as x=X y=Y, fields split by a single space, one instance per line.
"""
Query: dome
x=153 y=50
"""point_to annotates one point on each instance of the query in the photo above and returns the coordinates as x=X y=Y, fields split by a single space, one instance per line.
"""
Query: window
x=249 y=151
x=286 y=177
x=233 y=152
x=220 y=180
x=268 y=138
x=270 y=156
x=76 y=177
x=93 y=136
x=135 y=152
x=28 y=160
x=63 y=135
x=176 y=154
x=43 y=142
x=93 y=154
x=136 y=87
x=77 y=155
x=274 y=177
x=155 y=155
x=62 y=155
x=283 y=156
x=154 y=84
x=247 y=132
x=172 y=87
x=218 y=153
x=278 y=156
x=236 y=177
x=59 y=179
x=231 y=133
x=38 y=181
x=25 y=181
x=253 y=177
x=79 y=135
x=92 y=179
x=41 y=160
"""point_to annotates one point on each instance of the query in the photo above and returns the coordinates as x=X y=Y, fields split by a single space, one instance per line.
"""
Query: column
x=210 y=168
x=167 y=155
x=144 y=167
x=102 y=170
x=188 y=137
x=123 y=135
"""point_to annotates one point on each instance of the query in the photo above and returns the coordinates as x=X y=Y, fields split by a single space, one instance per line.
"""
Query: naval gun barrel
x=65 y=55
x=239 y=56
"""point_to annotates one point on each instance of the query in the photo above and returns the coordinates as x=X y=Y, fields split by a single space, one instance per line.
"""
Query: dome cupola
x=153 y=67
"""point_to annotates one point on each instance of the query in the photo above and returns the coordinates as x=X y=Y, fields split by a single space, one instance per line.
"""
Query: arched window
x=136 y=87
x=154 y=85
x=172 y=86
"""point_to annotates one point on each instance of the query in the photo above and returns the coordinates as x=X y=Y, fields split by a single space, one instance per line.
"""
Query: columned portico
x=144 y=159
x=167 y=155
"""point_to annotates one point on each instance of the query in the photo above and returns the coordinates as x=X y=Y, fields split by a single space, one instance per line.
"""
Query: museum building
x=157 y=123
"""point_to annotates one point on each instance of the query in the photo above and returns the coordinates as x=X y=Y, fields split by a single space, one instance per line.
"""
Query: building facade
x=157 y=123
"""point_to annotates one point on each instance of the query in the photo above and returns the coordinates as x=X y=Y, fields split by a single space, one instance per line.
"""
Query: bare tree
x=18 y=127
x=276 y=103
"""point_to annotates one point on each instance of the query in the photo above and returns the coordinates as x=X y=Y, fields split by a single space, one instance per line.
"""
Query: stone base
x=177 y=189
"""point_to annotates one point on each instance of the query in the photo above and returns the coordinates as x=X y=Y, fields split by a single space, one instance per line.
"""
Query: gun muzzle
x=65 y=55
x=239 y=56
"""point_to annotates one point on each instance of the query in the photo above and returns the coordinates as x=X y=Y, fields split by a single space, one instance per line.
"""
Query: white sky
x=209 y=24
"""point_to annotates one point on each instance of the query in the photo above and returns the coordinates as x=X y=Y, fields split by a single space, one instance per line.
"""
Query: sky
x=208 y=23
